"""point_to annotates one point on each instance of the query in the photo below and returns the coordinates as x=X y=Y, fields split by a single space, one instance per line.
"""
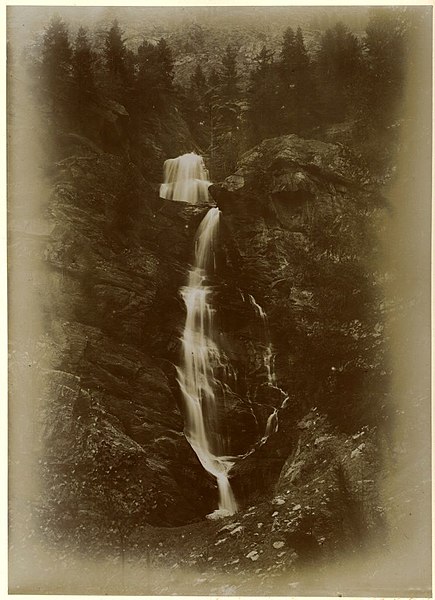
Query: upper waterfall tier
x=185 y=179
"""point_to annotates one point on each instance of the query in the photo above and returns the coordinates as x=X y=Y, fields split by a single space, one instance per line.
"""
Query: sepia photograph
x=219 y=299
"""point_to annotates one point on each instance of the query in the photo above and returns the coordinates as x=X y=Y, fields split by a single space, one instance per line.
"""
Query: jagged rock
x=275 y=251
x=284 y=176
x=337 y=488
x=73 y=144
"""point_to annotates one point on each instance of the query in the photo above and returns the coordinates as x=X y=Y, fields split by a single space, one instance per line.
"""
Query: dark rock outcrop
x=297 y=219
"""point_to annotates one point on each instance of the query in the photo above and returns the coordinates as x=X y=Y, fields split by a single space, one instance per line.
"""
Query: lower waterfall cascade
x=200 y=356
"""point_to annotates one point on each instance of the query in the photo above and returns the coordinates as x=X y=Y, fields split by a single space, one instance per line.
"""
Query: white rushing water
x=200 y=355
x=268 y=356
x=272 y=423
x=185 y=179
x=205 y=369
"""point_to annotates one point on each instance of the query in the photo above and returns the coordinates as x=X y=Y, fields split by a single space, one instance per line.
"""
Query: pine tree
x=227 y=108
x=288 y=51
x=297 y=92
x=263 y=98
x=229 y=77
x=147 y=76
x=166 y=62
x=338 y=63
x=225 y=116
x=304 y=88
x=154 y=82
x=287 y=81
x=196 y=108
x=213 y=80
x=198 y=80
x=83 y=77
x=118 y=63
x=56 y=65
x=198 y=92
x=115 y=51
x=386 y=47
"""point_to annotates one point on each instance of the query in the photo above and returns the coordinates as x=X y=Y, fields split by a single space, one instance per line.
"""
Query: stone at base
x=219 y=513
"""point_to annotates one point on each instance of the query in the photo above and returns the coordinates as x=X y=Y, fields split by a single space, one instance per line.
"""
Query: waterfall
x=272 y=423
x=185 y=179
x=268 y=349
x=200 y=356
x=271 y=426
x=204 y=367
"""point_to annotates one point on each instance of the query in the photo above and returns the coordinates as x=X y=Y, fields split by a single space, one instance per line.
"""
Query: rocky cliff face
x=299 y=218
x=295 y=240
x=115 y=260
